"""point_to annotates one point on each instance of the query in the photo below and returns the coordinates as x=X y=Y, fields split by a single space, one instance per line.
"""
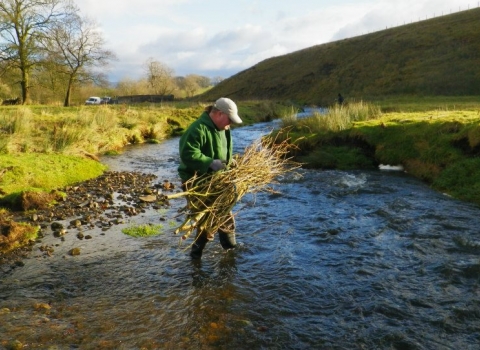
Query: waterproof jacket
x=201 y=143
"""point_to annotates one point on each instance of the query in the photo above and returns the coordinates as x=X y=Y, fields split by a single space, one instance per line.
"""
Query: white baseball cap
x=228 y=107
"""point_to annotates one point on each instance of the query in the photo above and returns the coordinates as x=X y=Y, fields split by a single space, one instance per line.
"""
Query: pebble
x=74 y=251
x=15 y=345
x=107 y=200
x=42 y=306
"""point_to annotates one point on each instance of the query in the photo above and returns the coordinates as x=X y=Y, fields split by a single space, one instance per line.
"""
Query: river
x=335 y=260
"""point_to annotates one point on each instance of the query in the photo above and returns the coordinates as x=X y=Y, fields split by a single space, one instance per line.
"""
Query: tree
x=23 y=23
x=76 y=45
x=203 y=81
x=179 y=82
x=191 y=84
x=49 y=83
x=7 y=77
x=159 y=77
x=128 y=87
x=5 y=91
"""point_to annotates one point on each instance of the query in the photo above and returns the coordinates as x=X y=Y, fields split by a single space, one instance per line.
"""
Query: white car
x=93 y=101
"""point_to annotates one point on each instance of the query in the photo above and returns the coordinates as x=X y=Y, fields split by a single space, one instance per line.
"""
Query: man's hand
x=217 y=165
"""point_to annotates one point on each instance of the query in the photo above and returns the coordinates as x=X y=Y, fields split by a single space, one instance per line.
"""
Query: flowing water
x=335 y=260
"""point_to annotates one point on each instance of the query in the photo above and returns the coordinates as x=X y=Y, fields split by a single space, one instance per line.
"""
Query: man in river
x=205 y=147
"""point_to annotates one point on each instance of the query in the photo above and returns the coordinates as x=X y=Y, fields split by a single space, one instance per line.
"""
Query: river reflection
x=335 y=260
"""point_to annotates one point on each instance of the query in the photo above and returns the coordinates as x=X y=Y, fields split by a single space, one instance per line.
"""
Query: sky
x=219 y=38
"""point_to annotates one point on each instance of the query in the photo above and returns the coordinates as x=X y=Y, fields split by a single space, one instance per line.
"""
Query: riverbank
x=43 y=148
x=46 y=149
x=98 y=204
x=440 y=146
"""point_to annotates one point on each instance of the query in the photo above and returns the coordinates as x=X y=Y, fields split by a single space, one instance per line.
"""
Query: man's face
x=221 y=120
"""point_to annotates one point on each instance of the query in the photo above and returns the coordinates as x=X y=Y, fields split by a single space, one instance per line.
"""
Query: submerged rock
x=148 y=198
x=74 y=251
x=56 y=226
x=107 y=200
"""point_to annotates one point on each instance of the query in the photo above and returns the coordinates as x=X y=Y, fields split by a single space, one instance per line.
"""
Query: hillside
x=439 y=56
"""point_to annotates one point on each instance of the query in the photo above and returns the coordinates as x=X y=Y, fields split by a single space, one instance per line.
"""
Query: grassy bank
x=440 y=146
x=43 y=148
x=32 y=172
x=408 y=103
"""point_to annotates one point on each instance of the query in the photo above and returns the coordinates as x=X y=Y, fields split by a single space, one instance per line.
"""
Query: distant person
x=340 y=99
x=206 y=147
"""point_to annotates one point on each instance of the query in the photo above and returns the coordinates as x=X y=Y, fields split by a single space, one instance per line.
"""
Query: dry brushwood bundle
x=210 y=199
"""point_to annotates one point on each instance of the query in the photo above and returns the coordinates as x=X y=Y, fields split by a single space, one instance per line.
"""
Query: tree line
x=50 y=52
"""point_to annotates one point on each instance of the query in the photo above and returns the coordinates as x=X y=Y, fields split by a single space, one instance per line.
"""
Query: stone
x=149 y=198
x=56 y=226
x=74 y=251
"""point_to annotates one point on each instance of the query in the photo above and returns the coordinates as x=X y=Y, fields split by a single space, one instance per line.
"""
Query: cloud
x=384 y=14
x=175 y=41
x=115 y=8
x=225 y=50
x=215 y=38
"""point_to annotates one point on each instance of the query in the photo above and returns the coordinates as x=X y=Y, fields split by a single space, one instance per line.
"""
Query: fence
x=435 y=14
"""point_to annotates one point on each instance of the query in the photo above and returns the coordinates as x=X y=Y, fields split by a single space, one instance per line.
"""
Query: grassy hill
x=439 y=56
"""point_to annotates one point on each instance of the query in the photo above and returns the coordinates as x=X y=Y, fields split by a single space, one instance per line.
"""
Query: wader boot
x=226 y=234
x=227 y=239
x=197 y=246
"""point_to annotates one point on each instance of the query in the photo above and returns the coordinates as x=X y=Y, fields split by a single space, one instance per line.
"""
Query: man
x=206 y=146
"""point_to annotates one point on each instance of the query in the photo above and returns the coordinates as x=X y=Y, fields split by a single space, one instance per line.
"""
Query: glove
x=217 y=165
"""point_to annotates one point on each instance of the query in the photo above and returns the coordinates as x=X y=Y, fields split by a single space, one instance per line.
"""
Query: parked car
x=106 y=100
x=93 y=101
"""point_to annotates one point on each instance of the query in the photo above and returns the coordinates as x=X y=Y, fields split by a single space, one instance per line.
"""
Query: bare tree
x=191 y=84
x=203 y=81
x=5 y=91
x=22 y=24
x=49 y=82
x=128 y=86
x=76 y=46
x=179 y=82
x=160 y=77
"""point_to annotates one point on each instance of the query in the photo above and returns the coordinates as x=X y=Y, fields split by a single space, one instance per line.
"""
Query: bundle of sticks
x=211 y=198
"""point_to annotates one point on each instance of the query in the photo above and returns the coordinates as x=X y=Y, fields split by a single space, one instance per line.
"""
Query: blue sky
x=222 y=38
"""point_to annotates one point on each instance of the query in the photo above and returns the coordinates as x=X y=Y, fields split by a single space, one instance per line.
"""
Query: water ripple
x=335 y=260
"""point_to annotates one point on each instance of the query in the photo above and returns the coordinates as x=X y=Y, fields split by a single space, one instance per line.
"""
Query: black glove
x=217 y=165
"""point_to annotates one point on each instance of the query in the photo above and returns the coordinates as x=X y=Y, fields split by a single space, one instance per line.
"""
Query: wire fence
x=427 y=17
x=460 y=9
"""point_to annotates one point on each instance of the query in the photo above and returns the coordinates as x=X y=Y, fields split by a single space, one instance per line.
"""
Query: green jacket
x=201 y=143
